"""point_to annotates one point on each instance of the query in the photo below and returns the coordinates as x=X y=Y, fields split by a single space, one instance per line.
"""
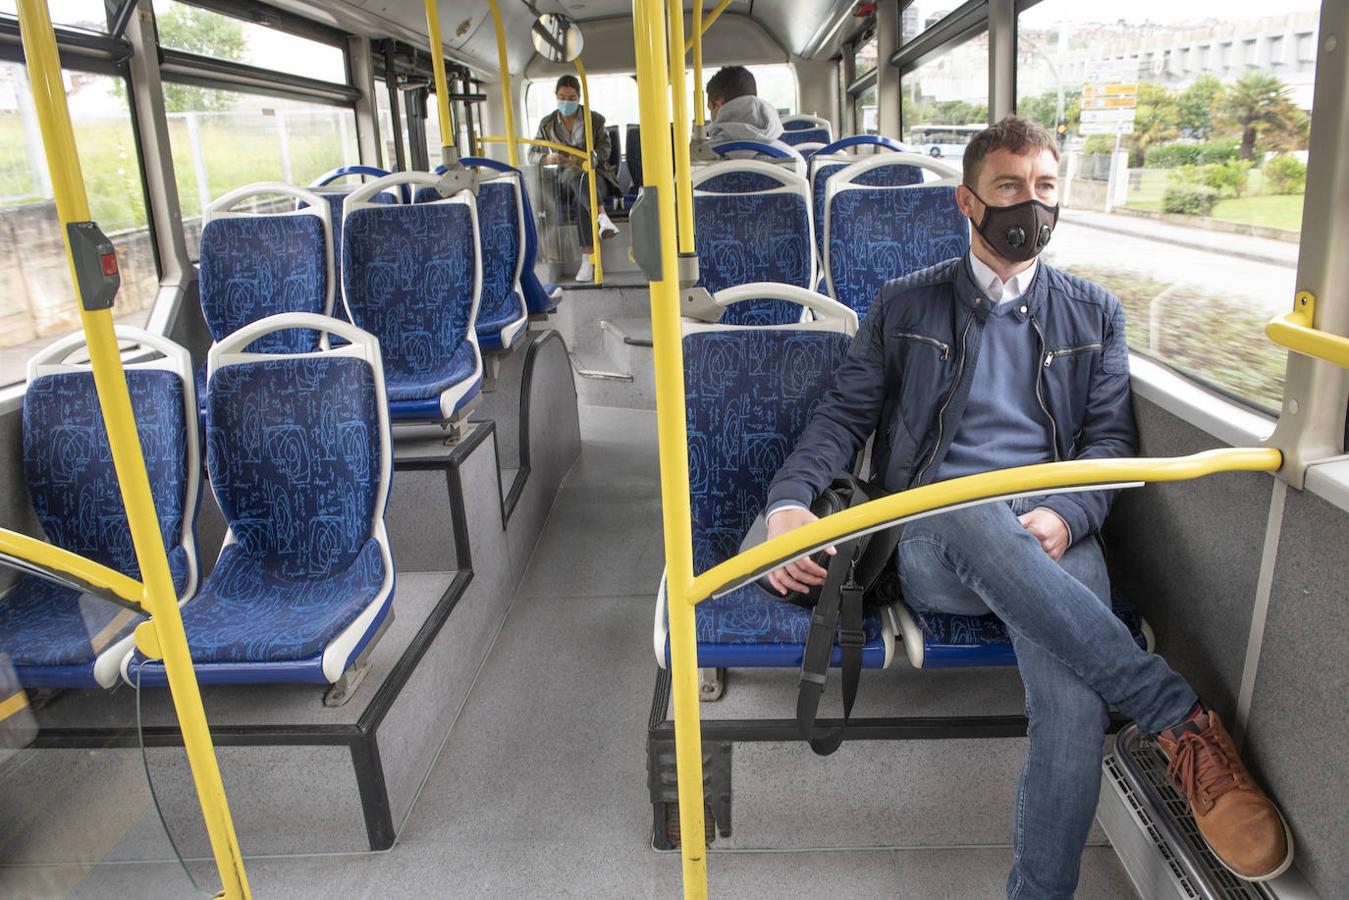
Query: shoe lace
x=1201 y=769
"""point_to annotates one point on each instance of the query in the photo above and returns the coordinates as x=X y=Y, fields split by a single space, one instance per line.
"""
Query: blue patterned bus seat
x=943 y=641
x=875 y=234
x=806 y=136
x=295 y=454
x=749 y=395
x=884 y=176
x=408 y=279
x=748 y=229
x=502 y=316
x=53 y=634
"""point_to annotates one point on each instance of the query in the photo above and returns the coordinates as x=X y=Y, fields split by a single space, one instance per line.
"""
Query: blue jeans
x=1074 y=655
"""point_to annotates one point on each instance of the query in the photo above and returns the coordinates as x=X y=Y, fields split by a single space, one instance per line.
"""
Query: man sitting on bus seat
x=738 y=113
x=566 y=126
x=994 y=360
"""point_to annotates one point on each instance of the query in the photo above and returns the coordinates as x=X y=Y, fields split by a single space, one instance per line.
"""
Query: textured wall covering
x=407 y=273
x=877 y=233
x=1297 y=733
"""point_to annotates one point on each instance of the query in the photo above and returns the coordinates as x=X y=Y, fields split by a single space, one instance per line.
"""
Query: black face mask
x=1017 y=232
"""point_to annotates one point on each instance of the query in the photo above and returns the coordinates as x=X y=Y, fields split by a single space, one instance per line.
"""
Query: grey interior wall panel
x=16 y=510
x=1188 y=554
x=1297 y=731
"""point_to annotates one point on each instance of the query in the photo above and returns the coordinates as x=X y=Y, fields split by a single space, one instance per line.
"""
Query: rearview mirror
x=557 y=38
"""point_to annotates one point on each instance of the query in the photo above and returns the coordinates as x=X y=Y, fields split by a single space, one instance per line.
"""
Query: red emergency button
x=109 y=261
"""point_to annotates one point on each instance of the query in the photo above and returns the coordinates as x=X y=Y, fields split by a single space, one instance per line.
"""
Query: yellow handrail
x=700 y=26
x=159 y=598
x=85 y=571
x=446 y=120
x=1296 y=331
x=683 y=180
x=503 y=63
x=653 y=86
x=972 y=488
x=698 y=115
x=534 y=142
x=591 y=174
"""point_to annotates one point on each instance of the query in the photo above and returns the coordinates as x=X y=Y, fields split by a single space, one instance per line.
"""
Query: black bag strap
x=839 y=607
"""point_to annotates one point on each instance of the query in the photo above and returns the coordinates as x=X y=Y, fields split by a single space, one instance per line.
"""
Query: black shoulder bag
x=837 y=605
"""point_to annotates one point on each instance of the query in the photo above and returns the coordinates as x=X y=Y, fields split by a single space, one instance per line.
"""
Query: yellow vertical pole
x=160 y=599
x=698 y=105
x=504 y=64
x=653 y=95
x=447 y=129
x=683 y=182
x=590 y=170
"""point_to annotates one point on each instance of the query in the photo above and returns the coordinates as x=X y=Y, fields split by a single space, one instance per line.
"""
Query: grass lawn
x=1270 y=211
x=1256 y=208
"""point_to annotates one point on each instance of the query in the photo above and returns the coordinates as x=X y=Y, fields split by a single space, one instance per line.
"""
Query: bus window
x=1195 y=222
x=207 y=33
x=37 y=304
x=951 y=90
x=865 y=112
x=223 y=140
x=88 y=14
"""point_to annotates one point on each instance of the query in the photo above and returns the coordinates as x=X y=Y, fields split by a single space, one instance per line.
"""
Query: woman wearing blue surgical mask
x=566 y=126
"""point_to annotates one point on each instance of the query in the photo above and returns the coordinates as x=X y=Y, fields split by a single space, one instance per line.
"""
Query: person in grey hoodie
x=738 y=113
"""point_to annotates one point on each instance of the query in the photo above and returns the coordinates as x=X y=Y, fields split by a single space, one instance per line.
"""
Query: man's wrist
x=780 y=506
x=1062 y=521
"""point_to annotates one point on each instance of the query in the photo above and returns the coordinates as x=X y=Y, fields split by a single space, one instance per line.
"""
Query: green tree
x=195 y=30
x=1195 y=107
x=1258 y=108
x=1154 y=122
x=1044 y=108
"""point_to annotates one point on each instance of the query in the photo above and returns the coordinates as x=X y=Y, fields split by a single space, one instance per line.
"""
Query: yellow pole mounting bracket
x=1297 y=332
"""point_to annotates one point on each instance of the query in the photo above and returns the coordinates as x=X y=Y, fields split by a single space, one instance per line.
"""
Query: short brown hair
x=1014 y=133
x=730 y=83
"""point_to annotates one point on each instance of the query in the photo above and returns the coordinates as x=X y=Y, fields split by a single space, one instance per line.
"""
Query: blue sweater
x=1004 y=424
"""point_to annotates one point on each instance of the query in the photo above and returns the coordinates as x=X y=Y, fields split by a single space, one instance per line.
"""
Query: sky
x=1160 y=11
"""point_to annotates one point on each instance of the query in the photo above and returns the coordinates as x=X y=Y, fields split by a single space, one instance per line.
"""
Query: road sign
x=1128 y=102
x=1097 y=116
x=1092 y=89
x=1106 y=128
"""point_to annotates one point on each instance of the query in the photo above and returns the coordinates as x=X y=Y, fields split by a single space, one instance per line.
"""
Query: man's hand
x=1046 y=527
x=804 y=573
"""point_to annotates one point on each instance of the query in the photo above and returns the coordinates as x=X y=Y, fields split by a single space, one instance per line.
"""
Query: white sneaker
x=587 y=270
x=607 y=228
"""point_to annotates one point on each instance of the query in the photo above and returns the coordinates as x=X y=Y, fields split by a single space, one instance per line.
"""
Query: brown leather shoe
x=1239 y=823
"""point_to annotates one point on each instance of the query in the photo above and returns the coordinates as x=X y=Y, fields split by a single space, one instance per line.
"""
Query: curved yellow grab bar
x=560 y=148
x=972 y=488
x=1295 y=331
x=50 y=561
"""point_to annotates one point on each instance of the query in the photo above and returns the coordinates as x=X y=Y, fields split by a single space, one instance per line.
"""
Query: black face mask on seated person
x=1020 y=231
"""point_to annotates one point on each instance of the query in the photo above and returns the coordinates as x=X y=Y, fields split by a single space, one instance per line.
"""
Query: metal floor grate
x=1139 y=766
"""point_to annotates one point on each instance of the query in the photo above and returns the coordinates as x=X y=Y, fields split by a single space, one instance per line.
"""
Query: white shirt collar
x=998 y=290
